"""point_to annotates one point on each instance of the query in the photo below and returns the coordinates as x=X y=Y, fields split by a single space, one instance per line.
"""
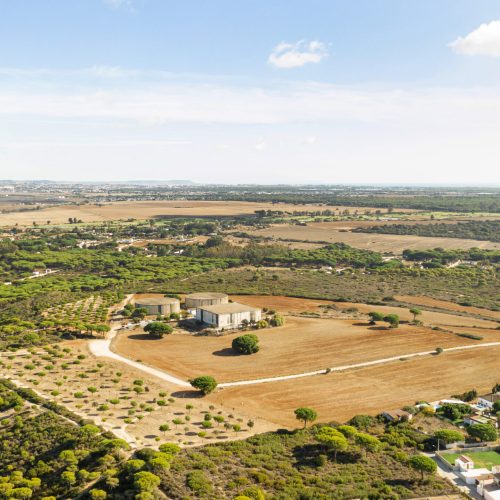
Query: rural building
x=463 y=462
x=230 y=315
x=195 y=300
x=159 y=305
x=487 y=400
x=397 y=415
x=488 y=485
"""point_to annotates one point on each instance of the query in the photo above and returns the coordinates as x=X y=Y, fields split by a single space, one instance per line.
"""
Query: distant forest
x=474 y=230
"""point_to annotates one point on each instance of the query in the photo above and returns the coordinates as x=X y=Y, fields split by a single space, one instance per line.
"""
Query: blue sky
x=251 y=91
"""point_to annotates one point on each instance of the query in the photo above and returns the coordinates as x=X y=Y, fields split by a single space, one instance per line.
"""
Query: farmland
x=145 y=210
x=303 y=344
x=338 y=396
x=325 y=338
x=333 y=232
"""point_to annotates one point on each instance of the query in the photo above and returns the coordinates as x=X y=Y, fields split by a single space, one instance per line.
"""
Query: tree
x=157 y=329
x=139 y=313
x=146 y=481
x=483 y=432
x=333 y=439
x=496 y=406
x=246 y=344
x=448 y=436
x=423 y=464
x=306 y=415
x=416 y=312
x=368 y=442
x=206 y=384
x=164 y=428
x=392 y=319
x=97 y=494
x=376 y=316
x=101 y=328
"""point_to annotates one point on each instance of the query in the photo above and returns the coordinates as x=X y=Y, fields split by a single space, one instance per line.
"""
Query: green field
x=482 y=459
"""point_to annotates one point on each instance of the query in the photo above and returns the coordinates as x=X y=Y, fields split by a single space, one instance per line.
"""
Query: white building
x=230 y=315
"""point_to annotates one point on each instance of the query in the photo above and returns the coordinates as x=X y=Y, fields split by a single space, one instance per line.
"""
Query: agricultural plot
x=335 y=232
x=302 y=345
x=317 y=340
x=372 y=390
x=139 y=409
x=148 y=209
x=92 y=310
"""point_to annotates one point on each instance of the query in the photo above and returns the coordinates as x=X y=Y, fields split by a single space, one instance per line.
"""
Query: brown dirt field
x=148 y=209
x=303 y=344
x=295 y=305
x=444 y=304
x=340 y=396
x=332 y=232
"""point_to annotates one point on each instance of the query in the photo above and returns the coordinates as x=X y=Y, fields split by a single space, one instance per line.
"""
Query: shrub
x=246 y=344
x=205 y=383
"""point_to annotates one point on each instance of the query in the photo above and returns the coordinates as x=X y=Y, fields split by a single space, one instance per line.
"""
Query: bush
x=206 y=384
x=157 y=329
x=198 y=482
x=246 y=344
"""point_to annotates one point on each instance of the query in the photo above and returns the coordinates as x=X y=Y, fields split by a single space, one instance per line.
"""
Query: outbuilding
x=201 y=299
x=159 y=305
x=230 y=315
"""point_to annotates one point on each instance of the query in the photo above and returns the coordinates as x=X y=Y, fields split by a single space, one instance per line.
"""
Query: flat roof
x=156 y=301
x=206 y=295
x=229 y=308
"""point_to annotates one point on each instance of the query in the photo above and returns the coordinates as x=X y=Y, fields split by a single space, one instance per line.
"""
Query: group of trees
x=392 y=319
x=475 y=230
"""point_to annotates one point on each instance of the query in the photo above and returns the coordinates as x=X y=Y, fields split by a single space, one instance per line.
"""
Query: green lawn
x=482 y=459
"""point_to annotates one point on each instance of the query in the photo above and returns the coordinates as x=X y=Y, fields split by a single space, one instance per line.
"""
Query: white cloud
x=310 y=140
x=294 y=55
x=118 y=4
x=484 y=40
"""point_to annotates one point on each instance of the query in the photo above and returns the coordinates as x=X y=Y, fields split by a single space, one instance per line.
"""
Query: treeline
x=336 y=254
x=451 y=203
x=475 y=230
x=440 y=257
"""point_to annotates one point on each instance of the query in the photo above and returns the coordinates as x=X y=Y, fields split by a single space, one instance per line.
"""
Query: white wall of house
x=229 y=320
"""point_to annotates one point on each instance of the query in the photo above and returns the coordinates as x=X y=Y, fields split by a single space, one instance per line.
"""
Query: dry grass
x=148 y=209
x=303 y=344
x=335 y=232
x=447 y=305
x=340 y=396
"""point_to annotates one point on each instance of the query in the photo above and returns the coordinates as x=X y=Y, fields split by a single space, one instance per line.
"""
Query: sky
x=251 y=91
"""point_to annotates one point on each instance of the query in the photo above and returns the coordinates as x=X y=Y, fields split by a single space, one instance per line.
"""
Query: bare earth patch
x=335 y=232
x=147 y=209
x=340 y=396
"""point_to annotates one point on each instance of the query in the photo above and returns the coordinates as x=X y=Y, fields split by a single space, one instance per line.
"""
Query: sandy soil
x=302 y=345
x=148 y=209
x=296 y=305
x=144 y=429
x=334 y=232
x=340 y=396
x=450 y=306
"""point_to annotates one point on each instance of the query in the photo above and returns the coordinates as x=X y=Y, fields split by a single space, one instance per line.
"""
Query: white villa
x=230 y=315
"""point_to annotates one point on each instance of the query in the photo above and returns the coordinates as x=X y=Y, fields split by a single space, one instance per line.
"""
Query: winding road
x=102 y=348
